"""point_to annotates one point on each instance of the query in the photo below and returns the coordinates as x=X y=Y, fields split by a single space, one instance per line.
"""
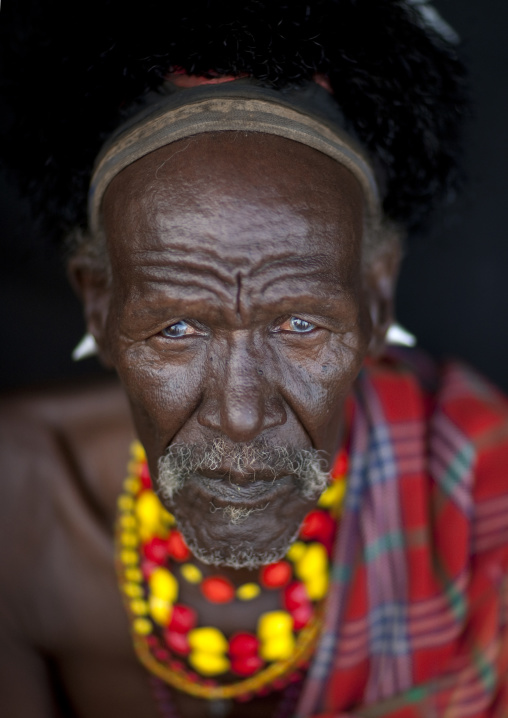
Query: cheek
x=316 y=389
x=162 y=395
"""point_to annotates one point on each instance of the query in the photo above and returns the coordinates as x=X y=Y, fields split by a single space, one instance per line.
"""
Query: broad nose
x=240 y=399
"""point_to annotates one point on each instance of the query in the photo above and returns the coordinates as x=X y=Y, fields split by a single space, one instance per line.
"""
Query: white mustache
x=180 y=461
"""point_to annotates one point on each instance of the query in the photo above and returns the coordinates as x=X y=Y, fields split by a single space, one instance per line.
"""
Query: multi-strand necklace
x=153 y=562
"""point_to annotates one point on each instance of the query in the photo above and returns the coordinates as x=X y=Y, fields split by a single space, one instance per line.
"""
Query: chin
x=234 y=550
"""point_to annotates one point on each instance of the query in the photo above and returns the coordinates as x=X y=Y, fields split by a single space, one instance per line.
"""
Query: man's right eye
x=177 y=330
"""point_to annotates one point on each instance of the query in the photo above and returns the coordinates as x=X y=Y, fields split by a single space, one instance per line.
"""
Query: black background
x=453 y=289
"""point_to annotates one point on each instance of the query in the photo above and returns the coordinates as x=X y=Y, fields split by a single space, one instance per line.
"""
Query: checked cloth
x=417 y=613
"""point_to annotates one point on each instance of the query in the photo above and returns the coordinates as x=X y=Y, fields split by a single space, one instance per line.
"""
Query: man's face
x=237 y=314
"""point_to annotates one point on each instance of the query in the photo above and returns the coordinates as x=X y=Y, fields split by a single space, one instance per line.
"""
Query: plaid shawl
x=417 y=618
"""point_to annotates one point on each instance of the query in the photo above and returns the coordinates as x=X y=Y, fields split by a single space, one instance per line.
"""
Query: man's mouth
x=252 y=494
x=242 y=475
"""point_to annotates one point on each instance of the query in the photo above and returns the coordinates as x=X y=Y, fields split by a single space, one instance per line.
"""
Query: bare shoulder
x=62 y=456
x=59 y=405
x=83 y=426
x=78 y=419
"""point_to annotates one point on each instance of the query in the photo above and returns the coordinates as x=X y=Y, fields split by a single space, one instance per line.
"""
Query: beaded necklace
x=167 y=635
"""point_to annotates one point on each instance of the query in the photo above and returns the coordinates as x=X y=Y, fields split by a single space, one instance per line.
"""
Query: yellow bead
x=208 y=664
x=333 y=495
x=146 y=533
x=313 y=562
x=274 y=623
x=148 y=510
x=207 y=640
x=133 y=467
x=160 y=610
x=166 y=518
x=128 y=557
x=163 y=585
x=139 y=607
x=128 y=522
x=248 y=591
x=317 y=586
x=129 y=539
x=125 y=503
x=132 y=485
x=142 y=626
x=278 y=648
x=137 y=451
x=162 y=531
x=133 y=574
x=191 y=573
x=133 y=590
x=296 y=551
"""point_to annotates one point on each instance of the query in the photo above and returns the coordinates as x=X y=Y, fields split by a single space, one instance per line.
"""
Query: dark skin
x=239 y=308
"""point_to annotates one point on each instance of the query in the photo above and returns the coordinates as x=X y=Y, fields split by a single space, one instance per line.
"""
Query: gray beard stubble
x=181 y=461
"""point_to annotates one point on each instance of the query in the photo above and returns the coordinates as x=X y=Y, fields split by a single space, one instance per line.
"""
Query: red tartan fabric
x=418 y=623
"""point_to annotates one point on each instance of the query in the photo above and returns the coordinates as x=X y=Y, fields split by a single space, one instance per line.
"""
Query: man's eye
x=298 y=325
x=176 y=330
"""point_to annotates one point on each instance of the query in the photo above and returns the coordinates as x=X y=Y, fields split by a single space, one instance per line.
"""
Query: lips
x=250 y=494
x=252 y=475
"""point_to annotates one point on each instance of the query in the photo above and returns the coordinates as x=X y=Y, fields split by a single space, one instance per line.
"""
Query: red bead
x=339 y=469
x=243 y=644
x=279 y=684
x=275 y=575
x=244 y=697
x=302 y=615
x=295 y=595
x=218 y=589
x=155 y=550
x=176 y=665
x=144 y=476
x=318 y=525
x=246 y=665
x=183 y=618
x=161 y=655
x=177 y=642
x=176 y=546
x=152 y=641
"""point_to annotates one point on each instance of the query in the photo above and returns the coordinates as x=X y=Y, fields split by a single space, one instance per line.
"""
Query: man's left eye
x=298 y=325
x=176 y=330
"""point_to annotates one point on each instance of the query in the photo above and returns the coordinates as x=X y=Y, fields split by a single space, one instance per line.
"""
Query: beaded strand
x=167 y=636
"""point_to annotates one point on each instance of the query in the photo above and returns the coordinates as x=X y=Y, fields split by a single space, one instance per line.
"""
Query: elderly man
x=305 y=525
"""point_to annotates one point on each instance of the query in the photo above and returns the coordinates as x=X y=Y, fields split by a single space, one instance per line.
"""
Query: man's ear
x=92 y=285
x=380 y=273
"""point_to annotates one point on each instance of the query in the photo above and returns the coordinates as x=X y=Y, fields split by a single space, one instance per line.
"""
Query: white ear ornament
x=398 y=335
x=87 y=347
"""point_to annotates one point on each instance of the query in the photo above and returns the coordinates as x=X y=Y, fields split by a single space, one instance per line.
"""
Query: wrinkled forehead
x=248 y=194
